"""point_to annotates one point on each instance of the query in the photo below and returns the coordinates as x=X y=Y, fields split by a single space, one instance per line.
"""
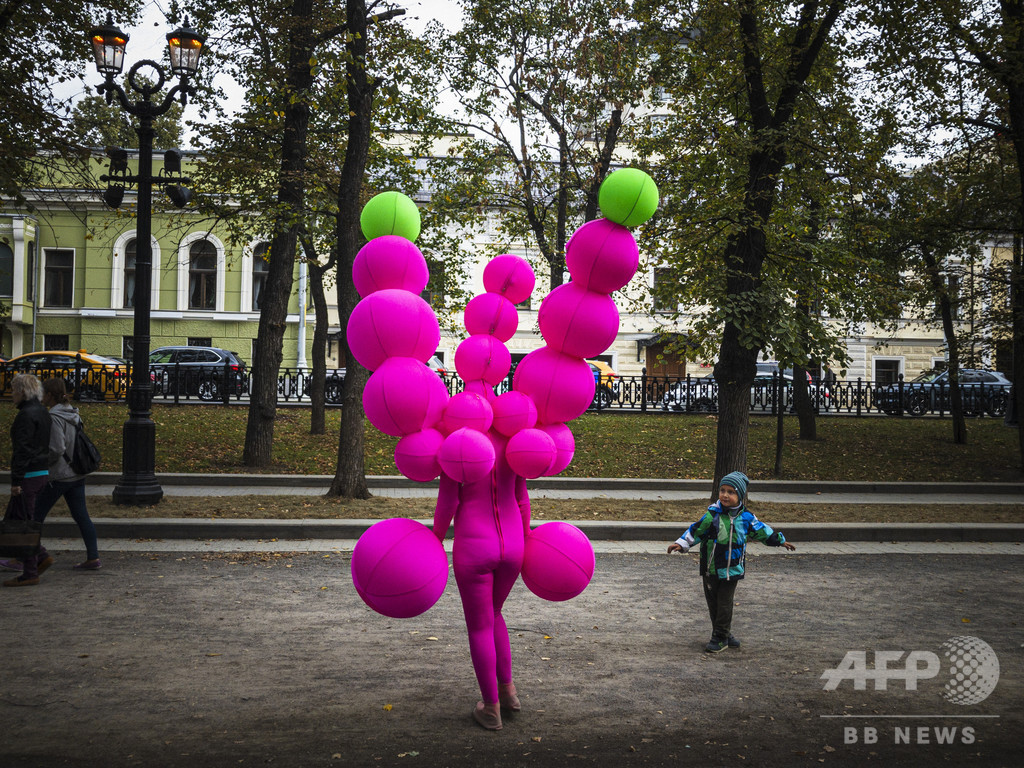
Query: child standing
x=722 y=533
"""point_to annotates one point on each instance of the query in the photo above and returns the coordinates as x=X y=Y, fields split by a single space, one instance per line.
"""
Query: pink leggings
x=483 y=591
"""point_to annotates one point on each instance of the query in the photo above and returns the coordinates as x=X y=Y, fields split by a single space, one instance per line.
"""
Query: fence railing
x=644 y=393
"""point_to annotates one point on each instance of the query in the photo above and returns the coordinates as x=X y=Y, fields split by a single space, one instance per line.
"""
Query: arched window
x=202 y=275
x=260 y=268
x=129 y=274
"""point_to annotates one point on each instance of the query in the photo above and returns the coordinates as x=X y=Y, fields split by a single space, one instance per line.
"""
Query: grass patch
x=209 y=439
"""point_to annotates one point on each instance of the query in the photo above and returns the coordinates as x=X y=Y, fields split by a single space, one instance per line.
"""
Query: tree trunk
x=956 y=404
x=317 y=384
x=259 y=431
x=350 y=476
x=734 y=374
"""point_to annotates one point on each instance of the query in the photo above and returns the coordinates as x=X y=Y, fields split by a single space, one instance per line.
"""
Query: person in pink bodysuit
x=492 y=519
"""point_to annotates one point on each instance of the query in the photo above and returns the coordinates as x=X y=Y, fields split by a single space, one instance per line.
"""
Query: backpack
x=85 y=456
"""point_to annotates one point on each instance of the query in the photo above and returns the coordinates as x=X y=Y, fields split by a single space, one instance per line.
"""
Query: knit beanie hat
x=738 y=481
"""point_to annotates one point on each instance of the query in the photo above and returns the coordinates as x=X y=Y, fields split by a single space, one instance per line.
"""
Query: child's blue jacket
x=723 y=540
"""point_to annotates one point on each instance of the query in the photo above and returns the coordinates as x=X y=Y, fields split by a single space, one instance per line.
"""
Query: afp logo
x=971 y=664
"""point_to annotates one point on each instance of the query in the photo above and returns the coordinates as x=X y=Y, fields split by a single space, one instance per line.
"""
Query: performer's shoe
x=507 y=697
x=488 y=716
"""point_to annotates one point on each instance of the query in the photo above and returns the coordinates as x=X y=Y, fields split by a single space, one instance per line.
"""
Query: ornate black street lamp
x=138 y=484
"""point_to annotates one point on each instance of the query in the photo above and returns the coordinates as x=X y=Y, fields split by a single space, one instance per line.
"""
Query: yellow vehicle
x=88 y=376
x=606 y=381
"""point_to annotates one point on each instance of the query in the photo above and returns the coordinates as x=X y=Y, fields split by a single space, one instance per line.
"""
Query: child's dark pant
x=719 y=594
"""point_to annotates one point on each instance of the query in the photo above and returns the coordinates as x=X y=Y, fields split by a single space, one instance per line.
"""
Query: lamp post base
x=138 y=485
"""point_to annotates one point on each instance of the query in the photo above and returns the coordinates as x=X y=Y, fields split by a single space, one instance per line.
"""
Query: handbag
x=19 y=538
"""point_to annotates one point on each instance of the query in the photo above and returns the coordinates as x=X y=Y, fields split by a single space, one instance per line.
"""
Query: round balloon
x=602 y=256
x=416 y=455
x=578 y=322
x=483 y=357
x=403 y=396
x=390 y=213
x=530 y=452
x=467 y=409
x=565 y=446
x=562 y=387
x=509 y=276
x=558 y=561
x=392 y=323
x=389 y=262
x=491 y=315
x=513 y=411
x=399 y=568
x=628 y=197
x=480 y=387
x=466 y=455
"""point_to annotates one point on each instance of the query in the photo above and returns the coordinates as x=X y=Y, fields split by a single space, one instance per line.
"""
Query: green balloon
x=628 y=197
x=390 y=213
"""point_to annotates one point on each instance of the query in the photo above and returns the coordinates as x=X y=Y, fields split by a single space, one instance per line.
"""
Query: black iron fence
x=644 y=393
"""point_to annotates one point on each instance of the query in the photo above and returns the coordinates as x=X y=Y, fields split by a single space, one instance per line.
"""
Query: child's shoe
x=733 y=642
x=44 y=564
x=507 y=697
x=11 y=565
x=488 y=716
x=21 y=581
x=716 y=645
x=89 y=565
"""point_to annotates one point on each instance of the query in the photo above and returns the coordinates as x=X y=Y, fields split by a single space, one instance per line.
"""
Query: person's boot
x=507 y=697
x=488 y=715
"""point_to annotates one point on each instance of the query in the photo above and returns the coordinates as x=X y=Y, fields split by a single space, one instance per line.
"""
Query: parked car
x=87 y=376
x=199 y=371
x=700 y=395
x=332 y=384
x=982 y=392
x=606 y=383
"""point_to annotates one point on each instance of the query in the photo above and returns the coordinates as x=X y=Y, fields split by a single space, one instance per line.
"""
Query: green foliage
x=98 y=124
x=45 y=50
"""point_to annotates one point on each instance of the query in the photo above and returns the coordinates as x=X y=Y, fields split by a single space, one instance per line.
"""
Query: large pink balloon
x=530 y=452
x=602 y=256
x=399 y=568
x=480 y=387
x=561 y=386
x=513 y=411
x=467 y=409
x=416 y=455
x=565 y=446
x=509 y=276
x=389 y=261
x=392 y=323
x=491 y=315
x=578 y=322
x=483 y=357
x=466 y=455
x=403 y=396
x=558 y=561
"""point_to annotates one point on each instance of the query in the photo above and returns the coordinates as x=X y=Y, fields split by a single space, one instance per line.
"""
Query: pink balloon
x=513 y=411
x=480 y=387
x=565 y=446
x=416 y=455
x=558 y=561
x=399 y=568
x=483 y=357
x=578 y=322
x=561 y=386
x=491 y=315
x=392 y=323
x=530 y=452
x=403 y=396
x=466 y=455
x=389 y=261
x=602 y=256
x=509 y=276
x=467 y=409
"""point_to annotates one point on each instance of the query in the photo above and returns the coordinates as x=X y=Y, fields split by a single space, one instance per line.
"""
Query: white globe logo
x=974 y=670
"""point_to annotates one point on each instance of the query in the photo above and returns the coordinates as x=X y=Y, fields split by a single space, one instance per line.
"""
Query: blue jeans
x=73 y=492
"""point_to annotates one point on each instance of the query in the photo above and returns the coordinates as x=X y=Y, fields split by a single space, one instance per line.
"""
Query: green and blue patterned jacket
x=723 y=540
